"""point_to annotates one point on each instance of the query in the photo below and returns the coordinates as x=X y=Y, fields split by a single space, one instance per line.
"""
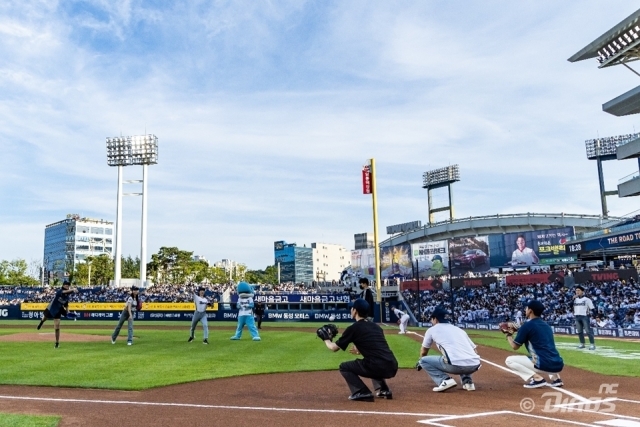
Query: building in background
x=329 y=261
x=296 y=263
x=200 y=258
x=229 y=266
x=363 y=241
x=72 y=240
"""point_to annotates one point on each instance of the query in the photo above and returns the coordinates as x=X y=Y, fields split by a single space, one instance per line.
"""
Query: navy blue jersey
x=536 y=335
x=60 y=300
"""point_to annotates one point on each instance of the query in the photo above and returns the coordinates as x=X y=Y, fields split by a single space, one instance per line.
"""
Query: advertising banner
x=533 y=279
x=422 y=285
x=606 y=275
x=117 y=306
x=625 y=239
x=631 y=333
x=528 y=248
x=366 y=179
x=395 y=262
x=605 y=332
x=470 y=282
x=300 y=298
x=469 y=254
x=431 y=258
x=363 y=263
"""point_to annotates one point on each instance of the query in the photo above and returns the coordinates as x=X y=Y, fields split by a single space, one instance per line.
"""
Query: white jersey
x=201 y=303
x=400 y=314
x=524 y=257
x=454 y=344
x=582 y=306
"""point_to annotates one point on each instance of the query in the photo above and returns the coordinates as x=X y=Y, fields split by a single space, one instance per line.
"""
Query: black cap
x=536 y=306
x=66 y=283
x=440 y=314
x=134 y=288
x=201 y=288
x=360 y=305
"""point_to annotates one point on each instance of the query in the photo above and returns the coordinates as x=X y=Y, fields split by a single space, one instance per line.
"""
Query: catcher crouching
x=537 y=337
x=378 y=362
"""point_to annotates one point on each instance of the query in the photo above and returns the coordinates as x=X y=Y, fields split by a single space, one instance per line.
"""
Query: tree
x=101 y=268
x=268 y=275
x=14 y=273
x=130 y=267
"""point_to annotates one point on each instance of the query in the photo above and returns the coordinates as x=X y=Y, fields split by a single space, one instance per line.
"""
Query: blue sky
x=266 y=112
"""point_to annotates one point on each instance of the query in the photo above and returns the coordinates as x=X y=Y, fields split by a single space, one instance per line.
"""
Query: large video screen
x=528 y=248
x=469 y=254
x=395 y=262
x=431 y=258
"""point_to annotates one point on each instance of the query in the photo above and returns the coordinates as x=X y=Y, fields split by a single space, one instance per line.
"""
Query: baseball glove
x=418 y=367
x=327 y=332
x=509 y=328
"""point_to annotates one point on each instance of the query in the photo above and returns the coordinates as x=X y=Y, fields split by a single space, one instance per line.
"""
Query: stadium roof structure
x=619 y=45
x=500 y=223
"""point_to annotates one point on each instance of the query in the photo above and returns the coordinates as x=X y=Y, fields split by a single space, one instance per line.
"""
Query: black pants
x=353 y=370
x=259 y=320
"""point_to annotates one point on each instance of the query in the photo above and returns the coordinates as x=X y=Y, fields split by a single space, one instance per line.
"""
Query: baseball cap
x=536 y=306
x=360 y=305
x=201 y=288
x=580 y=287
x=440 y=314
x=134 y=288
x=66 y=283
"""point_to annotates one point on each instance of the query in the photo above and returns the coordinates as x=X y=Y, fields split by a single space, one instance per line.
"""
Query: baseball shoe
x=580 y=346
x=446 y=385
x=363 y=397
x=113 y=341
x=557 y=383
x=535 y=384
x=385 y=394
x=234 y=338
x=205 y=341
x=56 y=345
x=469 y=387
x=190 y=339
x=129 y=343
x=592 y=347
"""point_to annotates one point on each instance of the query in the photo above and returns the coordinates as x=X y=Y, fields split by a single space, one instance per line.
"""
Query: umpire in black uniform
x=258 y=312
x=378 y=362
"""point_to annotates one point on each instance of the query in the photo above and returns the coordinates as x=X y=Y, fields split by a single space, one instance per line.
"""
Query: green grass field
x=163 y=357
x=10 y=420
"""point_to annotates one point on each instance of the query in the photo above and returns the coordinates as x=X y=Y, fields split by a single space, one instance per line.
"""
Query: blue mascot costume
x=245 y=312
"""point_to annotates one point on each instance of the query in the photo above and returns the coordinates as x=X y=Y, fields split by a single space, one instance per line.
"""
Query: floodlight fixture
x=137 y=150
x=441 y=177
x=605 y=148
x=437 y=178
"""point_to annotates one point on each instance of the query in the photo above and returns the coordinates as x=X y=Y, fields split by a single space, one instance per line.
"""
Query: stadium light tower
x=437 y=178
x=603 y=149
x=128 y=151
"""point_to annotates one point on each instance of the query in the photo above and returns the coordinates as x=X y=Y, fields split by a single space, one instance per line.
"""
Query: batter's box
x=520 y=419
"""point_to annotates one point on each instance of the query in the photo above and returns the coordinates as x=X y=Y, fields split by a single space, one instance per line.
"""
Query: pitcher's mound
x=50 y=336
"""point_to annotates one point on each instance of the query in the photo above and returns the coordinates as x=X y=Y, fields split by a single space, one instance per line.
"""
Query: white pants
x=403 y=323
x=523 y=366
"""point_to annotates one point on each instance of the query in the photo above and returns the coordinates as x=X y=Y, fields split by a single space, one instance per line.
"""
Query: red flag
x=366 y=179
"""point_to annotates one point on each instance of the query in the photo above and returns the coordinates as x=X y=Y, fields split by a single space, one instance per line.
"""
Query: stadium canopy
x=619 y=45
x=498 y=224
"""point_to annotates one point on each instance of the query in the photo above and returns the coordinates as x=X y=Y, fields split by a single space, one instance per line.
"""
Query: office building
x=363 y=241
x=296 y=263
x=72 y=240
x=329 y=261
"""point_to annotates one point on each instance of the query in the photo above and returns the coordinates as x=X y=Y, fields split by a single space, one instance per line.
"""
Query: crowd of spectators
x=617 y=303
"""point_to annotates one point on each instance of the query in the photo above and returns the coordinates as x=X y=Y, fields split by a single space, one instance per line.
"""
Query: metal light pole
x=126 y=151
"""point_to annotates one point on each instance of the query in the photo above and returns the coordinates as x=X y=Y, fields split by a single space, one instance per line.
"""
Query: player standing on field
x=403 y=319
x=582 y=306
x=57 y=308
x=130 y=307
x=200 y=315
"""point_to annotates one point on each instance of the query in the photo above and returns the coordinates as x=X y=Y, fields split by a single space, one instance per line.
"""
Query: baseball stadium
x=499 y=320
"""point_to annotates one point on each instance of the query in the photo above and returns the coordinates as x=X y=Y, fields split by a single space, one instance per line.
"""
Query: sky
x=265 y=113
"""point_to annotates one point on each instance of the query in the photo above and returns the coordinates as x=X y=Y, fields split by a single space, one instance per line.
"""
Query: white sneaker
x=446 y=385
x=469 y=387
x=129 y=343
x=113 y=341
